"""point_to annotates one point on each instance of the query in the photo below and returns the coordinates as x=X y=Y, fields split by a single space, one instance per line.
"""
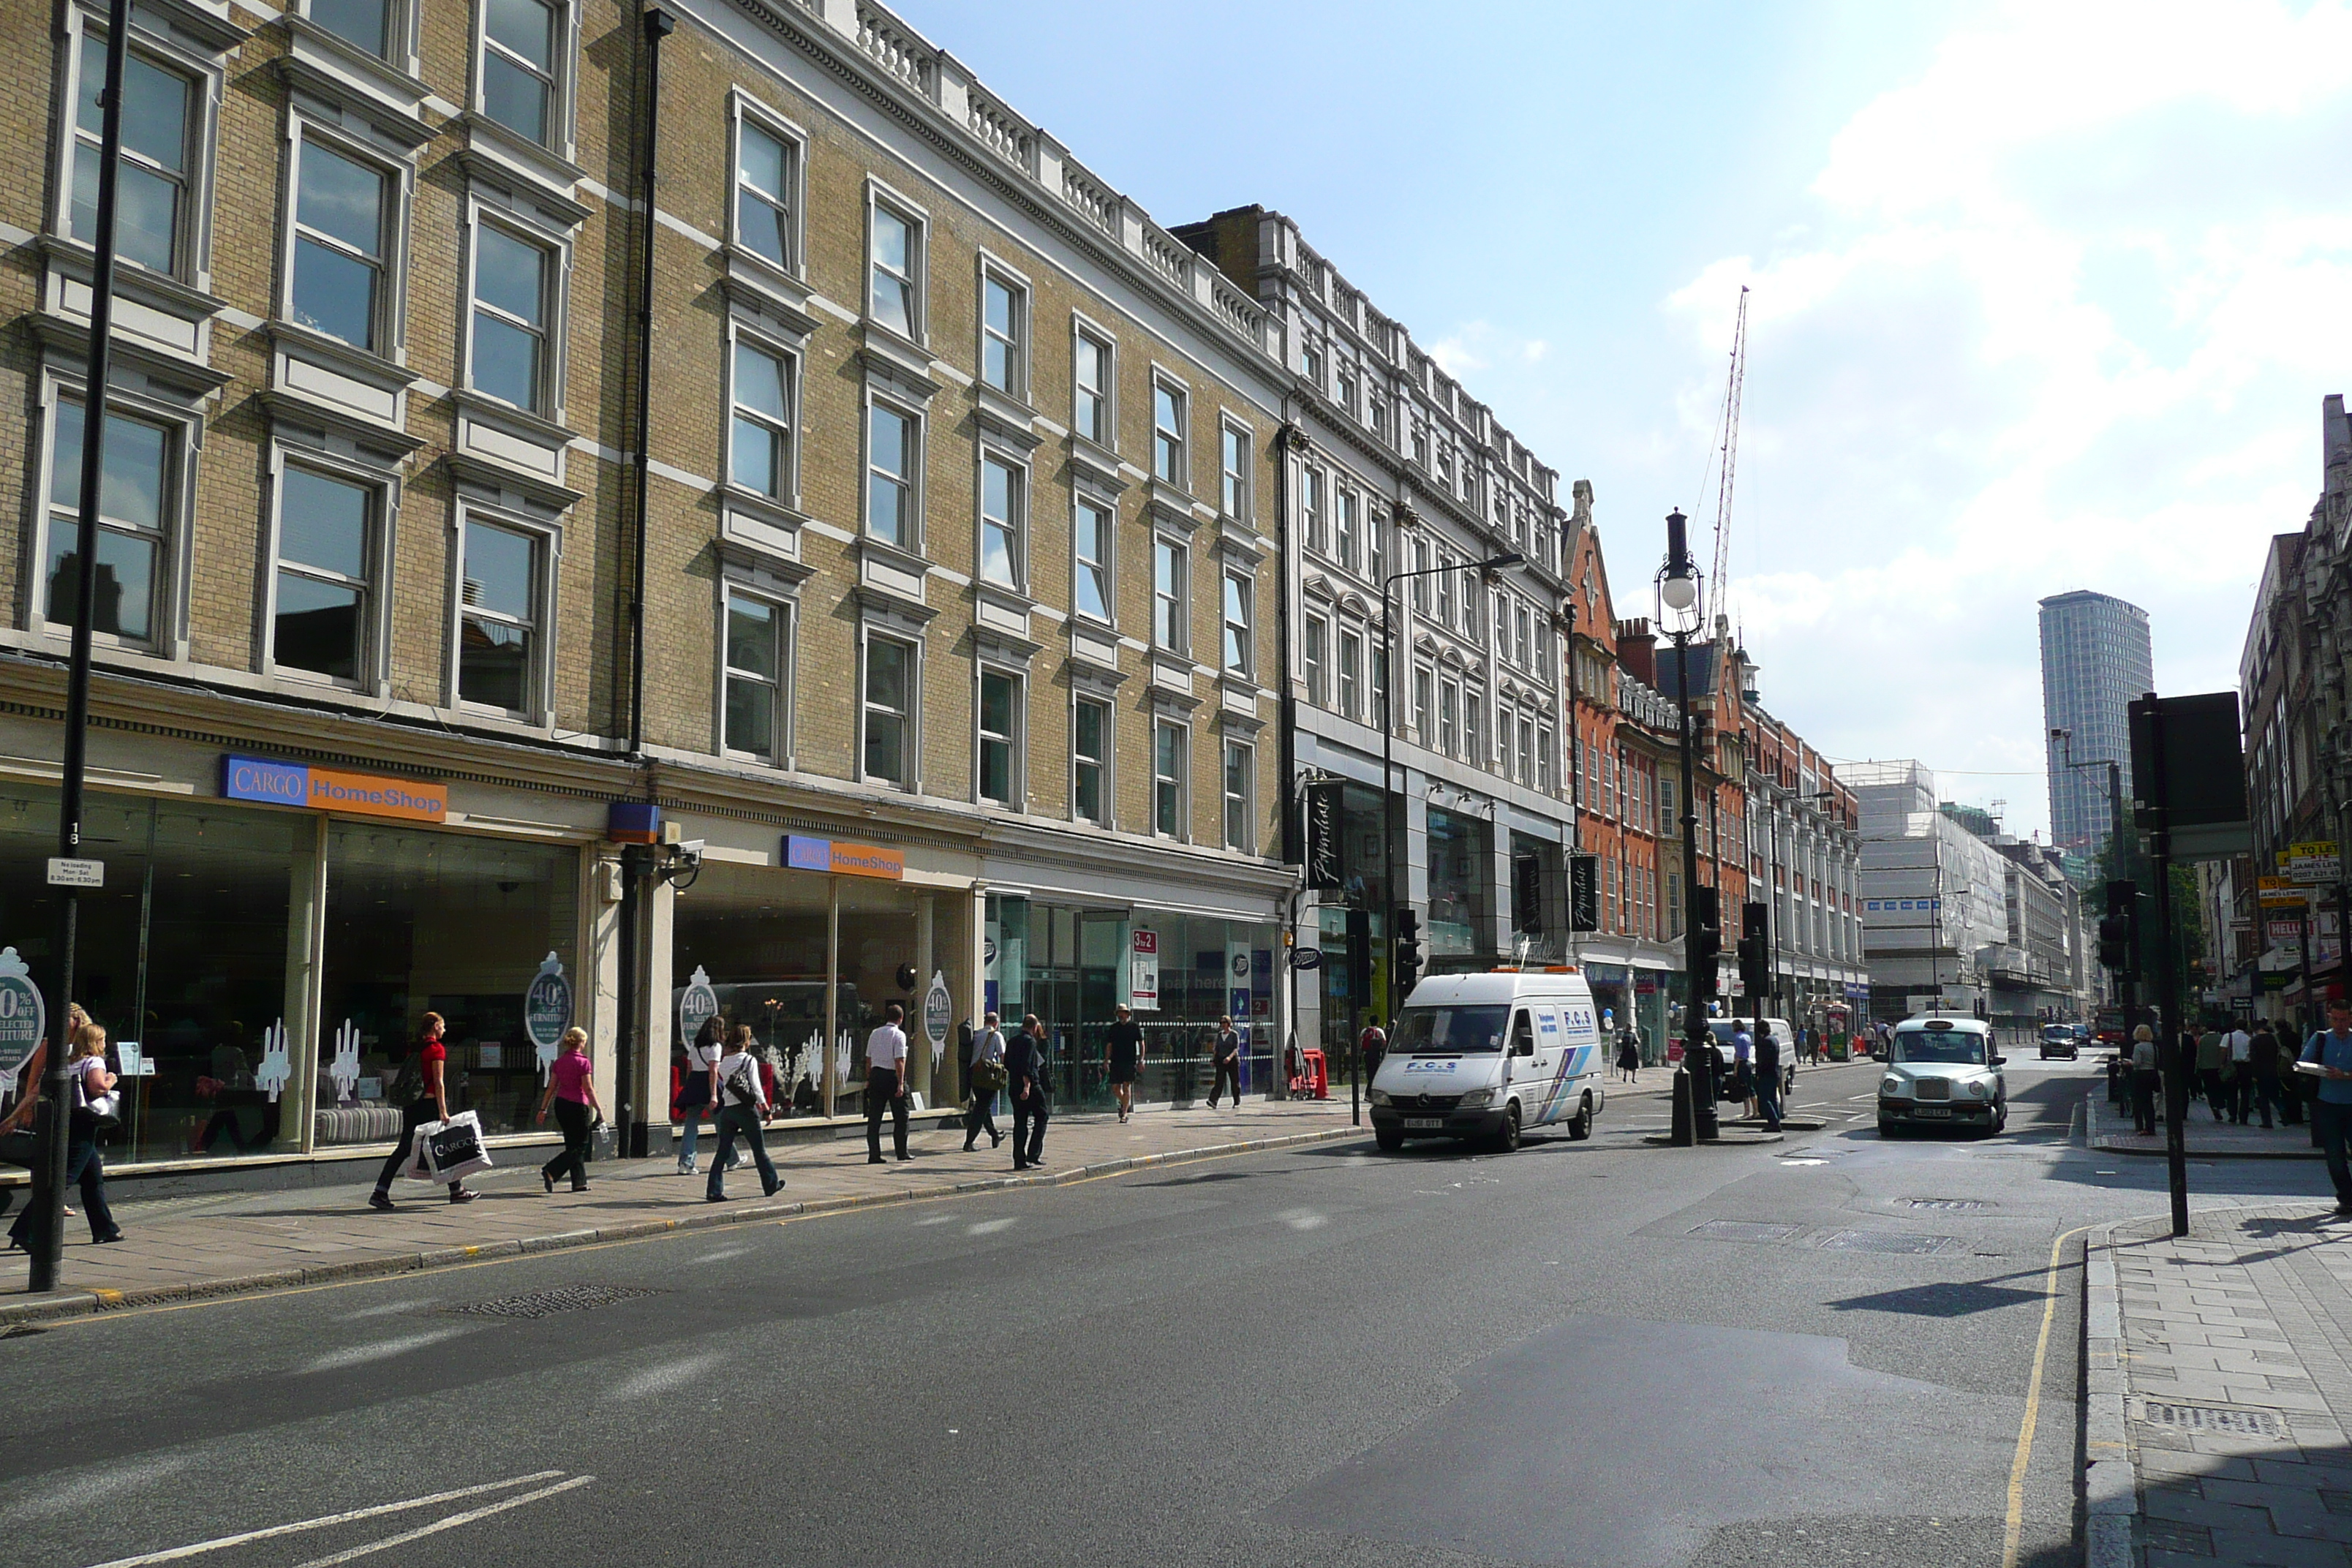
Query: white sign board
x=24 y=1017
x=1143 y=972
x=938 y=1012
x=697 y=1005
x=77 y=873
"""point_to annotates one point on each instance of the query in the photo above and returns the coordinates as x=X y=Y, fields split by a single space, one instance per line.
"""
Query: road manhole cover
x=547 y=1303
x=1944 y=1205
x=1885 y=1241
x=1742 y=1230
x=2221 y=1419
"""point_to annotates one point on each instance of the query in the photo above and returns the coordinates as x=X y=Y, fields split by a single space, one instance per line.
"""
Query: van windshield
x=1428 y=1031
x=1962 y=1047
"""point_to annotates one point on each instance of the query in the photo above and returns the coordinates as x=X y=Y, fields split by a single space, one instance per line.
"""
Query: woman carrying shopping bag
x=93 y=1113
x=743 y=1104
x=572 y=1092
x=429 y=1070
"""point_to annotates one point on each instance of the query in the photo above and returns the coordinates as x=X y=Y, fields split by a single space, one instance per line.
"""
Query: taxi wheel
x=1506 y=1137
x=1391 y=1140
x=1886 y=1128
x=1579 y=1126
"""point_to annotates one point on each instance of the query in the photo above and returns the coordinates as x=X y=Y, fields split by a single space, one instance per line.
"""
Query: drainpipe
x=632 y=1126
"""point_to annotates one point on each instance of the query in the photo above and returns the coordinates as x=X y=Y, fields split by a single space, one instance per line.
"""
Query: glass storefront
x=423 y=922
x=1461 y=884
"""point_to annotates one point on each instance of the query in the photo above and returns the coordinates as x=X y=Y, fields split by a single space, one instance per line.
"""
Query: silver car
x=1943 y=1072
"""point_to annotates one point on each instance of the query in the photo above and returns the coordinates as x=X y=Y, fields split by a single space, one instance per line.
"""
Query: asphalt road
x=1816 y=1353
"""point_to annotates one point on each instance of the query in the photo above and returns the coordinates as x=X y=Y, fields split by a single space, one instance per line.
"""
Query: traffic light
x=1707 y=940
x=1407 y=958
x=2119 y=930
x=1756 y=951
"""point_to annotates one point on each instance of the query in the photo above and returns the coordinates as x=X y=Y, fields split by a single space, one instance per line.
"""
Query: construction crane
x=1726 y=452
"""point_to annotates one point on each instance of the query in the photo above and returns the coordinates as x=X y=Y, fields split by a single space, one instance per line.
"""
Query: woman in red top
x=431 y=1103
x=572 y=1092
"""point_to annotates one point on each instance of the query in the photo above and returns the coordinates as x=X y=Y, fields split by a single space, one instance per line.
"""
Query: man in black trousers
x=1024 y=1070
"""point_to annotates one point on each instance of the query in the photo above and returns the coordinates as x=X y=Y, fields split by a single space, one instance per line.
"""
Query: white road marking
x=936 y=1219
x=438 y=1525
x=1302 y=1219
x=724 y=1254
x=222 y=1542
x=990 y=1227
x=359 y=1355
x=663 y=1378
x=386 y=1310
x=89 y=1491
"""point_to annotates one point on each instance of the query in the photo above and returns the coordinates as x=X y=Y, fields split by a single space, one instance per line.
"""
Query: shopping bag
x=453 y=1149
x=419 y=1168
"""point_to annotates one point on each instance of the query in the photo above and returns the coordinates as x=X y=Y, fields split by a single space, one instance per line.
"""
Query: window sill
x=901 y=362
x=1096 y=464
x=515 y=164
x=1168 y=505
x=349 y=77
x=772 y=295
x=1006 y=418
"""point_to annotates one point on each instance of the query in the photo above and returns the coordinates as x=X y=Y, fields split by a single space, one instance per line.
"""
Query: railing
x=1091 y=197
x=1234 y=307
x=1169 y=257
x=907 y=58
x=996 y=127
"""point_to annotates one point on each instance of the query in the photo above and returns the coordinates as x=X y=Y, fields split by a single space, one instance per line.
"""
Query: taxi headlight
x=1377 y=1096
x=1977 y=1088
x=1894 y=1086
x=1476 y=1099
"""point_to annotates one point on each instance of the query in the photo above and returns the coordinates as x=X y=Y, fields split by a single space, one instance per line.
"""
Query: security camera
x=689 y=854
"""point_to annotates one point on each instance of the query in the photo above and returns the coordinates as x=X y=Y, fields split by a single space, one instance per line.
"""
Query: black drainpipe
x=632 y=1123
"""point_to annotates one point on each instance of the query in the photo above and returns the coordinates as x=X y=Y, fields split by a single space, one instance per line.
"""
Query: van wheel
x=1389 y=1138
x=1506 y=1137
x=1579 y=1126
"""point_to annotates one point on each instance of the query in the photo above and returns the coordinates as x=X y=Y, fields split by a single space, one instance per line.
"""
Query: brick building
x=958 y=542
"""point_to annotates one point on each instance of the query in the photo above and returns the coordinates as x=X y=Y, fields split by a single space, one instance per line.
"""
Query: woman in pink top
x=572 y=1092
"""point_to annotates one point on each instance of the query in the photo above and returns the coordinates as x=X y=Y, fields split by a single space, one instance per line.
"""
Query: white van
x=1488 y=1056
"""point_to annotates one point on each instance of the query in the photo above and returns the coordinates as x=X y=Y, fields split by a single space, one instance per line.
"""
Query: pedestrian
x=1767 y=1076
x=2239 y=1045
x=986 y=1077
x=1024 y=1068
x=2212 y=1056
x=1228 y=1062
x=1372 y=1046
x=2144 y=1080
x=1629 y=1055
x=694 y=1090
x=91 y=1110
x=1743 y=1066
x=2330 y=1051
x=886 y=1084
x=426 y=1078
x=1123 y=1042
x=2263 y=1070
x=573 y=1091
x=742 y=1096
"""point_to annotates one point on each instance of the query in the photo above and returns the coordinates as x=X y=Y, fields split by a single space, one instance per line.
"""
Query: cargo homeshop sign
x=326 y=789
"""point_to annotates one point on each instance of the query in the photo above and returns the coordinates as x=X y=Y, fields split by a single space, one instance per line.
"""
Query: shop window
x=326 y=544
x=501 y=613
x=889 y=711
x=758 y=642
x=1094 y=530
x=1240 y=765
x=767 y=182
x=456 y=924
x=1003 y=514
x=135 y=516
x=520 y=87
x=1000 y=739
x=1090 y=761
x=152 y=217
x=344 y=208
x=1168 y=777
x=508 y=356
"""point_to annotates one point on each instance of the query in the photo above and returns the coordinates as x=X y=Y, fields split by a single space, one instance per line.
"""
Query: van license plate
x=1425 y=1123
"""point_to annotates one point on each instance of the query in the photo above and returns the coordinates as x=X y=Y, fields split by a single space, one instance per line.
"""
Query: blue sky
x=2045 y=296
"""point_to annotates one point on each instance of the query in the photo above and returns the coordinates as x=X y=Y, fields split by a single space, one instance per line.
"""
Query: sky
x=2043 y=295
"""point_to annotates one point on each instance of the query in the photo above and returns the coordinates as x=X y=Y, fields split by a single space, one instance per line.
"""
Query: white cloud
x=2062 y=317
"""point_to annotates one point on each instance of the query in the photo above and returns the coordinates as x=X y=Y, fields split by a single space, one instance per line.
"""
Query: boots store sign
x=328 y=789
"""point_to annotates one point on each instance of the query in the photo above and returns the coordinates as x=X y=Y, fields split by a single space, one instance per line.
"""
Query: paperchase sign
x=326 y=789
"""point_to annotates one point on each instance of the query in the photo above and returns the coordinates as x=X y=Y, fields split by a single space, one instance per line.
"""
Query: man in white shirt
x=885 y=1083
x=2239 y=1045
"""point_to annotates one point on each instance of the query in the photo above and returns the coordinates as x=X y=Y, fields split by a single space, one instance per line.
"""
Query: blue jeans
x=2332 y=1119
x=739 y=1121
x=693 y=1115
x=1768 y=1096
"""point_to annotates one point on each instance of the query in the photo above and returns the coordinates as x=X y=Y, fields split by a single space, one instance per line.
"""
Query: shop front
x=269 y=934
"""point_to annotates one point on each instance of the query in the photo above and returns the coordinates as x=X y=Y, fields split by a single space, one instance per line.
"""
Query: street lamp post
x=1694 y=1098
x=1388 y=783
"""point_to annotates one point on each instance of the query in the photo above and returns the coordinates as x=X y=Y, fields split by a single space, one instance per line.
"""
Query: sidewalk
x=2219 y=1390
x=2111 y=1131
x=224 y=1243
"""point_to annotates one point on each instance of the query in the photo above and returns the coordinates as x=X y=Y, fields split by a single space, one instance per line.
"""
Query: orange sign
x=867 y=860
x=368 y=794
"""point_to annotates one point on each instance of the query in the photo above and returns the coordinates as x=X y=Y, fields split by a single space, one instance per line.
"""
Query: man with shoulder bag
x=986 y=1077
